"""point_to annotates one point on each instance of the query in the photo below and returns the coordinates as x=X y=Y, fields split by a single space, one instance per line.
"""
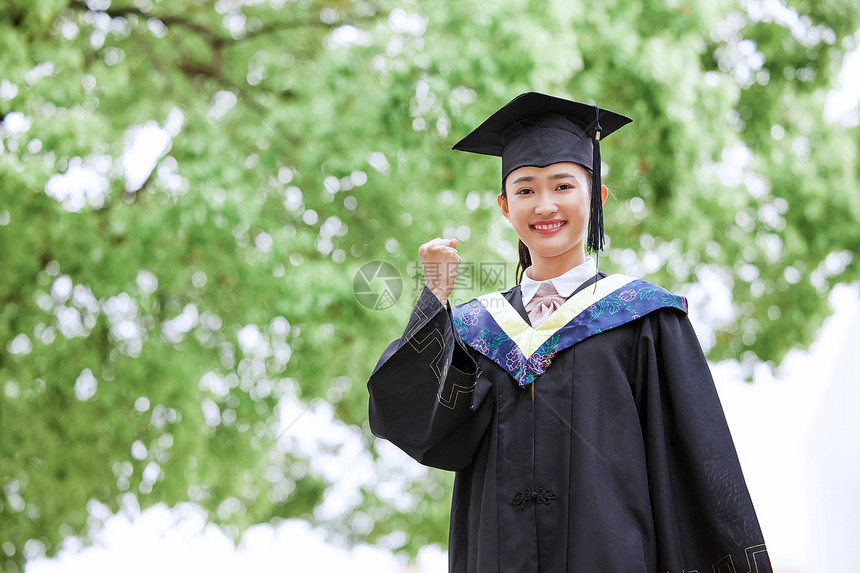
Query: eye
x=564 y=186
x=523 y=191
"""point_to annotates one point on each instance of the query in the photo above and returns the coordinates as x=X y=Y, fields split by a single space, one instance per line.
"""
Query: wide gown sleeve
x=426 y=393
x=704 y=517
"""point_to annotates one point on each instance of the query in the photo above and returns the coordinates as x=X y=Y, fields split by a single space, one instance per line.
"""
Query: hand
x=440 y=260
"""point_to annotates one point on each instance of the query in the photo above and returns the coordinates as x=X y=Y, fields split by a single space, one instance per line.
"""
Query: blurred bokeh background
x=197 y=199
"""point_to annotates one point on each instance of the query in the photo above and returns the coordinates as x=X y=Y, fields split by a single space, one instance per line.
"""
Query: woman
x=577 y=408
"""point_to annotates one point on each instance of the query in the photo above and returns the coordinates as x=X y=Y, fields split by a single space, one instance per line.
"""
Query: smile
x=548 y=226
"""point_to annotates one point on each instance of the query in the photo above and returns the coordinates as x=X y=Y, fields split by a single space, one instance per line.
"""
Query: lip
x=548 y=227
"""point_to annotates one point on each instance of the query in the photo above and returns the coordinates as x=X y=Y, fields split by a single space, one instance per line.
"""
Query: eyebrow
x=551 y=177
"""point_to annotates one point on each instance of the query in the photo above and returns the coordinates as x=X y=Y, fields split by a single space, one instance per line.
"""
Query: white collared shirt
x=564 y=285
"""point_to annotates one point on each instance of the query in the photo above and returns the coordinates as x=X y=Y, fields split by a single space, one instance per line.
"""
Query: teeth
x=548 y=227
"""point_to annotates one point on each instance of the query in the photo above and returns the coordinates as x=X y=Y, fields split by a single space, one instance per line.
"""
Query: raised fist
x=440 y=260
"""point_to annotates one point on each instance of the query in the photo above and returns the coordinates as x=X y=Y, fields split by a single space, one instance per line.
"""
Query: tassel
x=595 y=221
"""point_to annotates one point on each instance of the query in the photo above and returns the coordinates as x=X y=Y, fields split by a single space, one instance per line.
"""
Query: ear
x=604 y=193
x=503 y=206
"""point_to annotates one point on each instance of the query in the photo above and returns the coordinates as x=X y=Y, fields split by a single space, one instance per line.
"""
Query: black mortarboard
x=537 y=130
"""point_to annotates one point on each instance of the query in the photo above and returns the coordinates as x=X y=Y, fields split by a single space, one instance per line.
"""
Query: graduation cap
x=537 y=130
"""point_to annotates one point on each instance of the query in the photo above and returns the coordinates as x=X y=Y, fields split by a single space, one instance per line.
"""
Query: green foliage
x=309 y=138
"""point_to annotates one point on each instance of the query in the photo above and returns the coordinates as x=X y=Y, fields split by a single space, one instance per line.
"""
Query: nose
x=546 y=205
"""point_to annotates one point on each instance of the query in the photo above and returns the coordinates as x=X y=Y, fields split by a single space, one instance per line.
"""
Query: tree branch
x=215 y=39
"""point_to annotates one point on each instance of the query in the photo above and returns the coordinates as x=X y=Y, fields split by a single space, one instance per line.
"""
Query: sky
x=180 y=539
x=776 y=424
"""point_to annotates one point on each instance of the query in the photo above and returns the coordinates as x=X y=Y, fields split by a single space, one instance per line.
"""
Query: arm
x=426 y=393
x=703 y=515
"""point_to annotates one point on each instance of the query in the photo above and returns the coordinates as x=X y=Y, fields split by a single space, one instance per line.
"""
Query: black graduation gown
x=615 y=458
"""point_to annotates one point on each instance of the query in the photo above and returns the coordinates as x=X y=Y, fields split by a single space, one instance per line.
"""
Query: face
x=549 y=209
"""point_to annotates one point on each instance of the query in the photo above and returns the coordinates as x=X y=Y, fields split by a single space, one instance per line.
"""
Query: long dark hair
x=525 y=257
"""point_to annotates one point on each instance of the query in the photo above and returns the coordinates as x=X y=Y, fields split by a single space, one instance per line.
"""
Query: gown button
x=529 y=497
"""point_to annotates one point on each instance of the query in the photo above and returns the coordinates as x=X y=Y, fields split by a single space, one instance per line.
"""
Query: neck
x=545 y=268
